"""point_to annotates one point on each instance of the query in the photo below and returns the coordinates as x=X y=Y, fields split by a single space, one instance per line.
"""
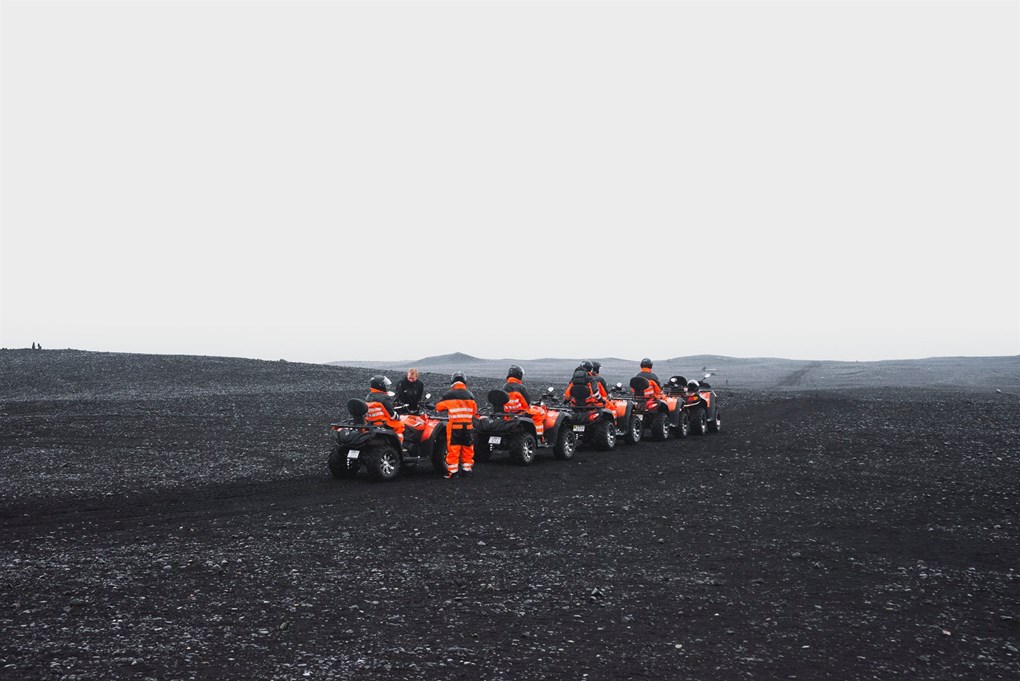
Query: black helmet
x=646 y=363
x=692 y=386
x=587 y=365
x=596 y=365
x=380 y=382
x=458 y=376
x=515 y=372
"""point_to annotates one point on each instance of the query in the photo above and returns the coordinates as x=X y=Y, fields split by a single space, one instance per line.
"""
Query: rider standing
x=410 y=390
x=460 y=403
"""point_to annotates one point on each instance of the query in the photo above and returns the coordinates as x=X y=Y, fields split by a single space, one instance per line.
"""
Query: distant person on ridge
x=520 y=400
x=380 y=406
x=410 y=390
x=459 y=403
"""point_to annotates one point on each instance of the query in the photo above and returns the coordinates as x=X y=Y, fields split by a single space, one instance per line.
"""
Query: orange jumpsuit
x=521 y=401
x=653 y=389
x=598 y=395
x=381 y=412
x=459 y=403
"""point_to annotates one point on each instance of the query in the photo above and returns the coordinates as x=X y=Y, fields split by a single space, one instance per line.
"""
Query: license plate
x=578 y=429
x=353 y=454
x=495 y=440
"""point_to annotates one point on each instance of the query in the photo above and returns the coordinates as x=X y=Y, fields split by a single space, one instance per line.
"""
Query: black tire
x=383 y=463
x=635 y=426
x=604 y=436
x=683 y=428
x=659 y=429
x=699 y=421
x=522 y=449
x=566 y=443
x=483 y=450
x=439 y=455
x=715 y=425
x=339 y=465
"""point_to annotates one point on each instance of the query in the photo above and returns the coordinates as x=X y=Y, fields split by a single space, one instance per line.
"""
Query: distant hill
x=737 y=372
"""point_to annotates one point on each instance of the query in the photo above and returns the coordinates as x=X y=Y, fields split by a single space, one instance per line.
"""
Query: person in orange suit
x=459 y=403
x=654 y=388
x=380 y=406
x=583 y=376
x=520 y=400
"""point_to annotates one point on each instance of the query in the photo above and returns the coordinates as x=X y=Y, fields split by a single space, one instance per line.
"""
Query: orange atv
x=378 y=448
x=662 y=416
x=699 y=401
x=515 y=432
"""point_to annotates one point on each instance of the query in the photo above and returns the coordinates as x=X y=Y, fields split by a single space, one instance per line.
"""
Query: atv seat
x=358 y=409
x=498 y=400
x=639 y=384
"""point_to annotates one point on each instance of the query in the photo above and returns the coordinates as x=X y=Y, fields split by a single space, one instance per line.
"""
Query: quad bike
x=629 y=421
x=378 y=448
x=516 y=434
x=701 y=404
x=592 y=424
x=662 y=416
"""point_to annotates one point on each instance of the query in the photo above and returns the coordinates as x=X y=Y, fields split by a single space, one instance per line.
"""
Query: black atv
x=378 y=448
x=515 y=433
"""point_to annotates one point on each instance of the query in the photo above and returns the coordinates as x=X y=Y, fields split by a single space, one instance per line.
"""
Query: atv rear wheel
x=522 y=449
x=684 y=427
x=604 y=436
x=566 y=444
x=699 y=421
x=632 y=435
x=339 y=465
x=714 y=425
x=660 y=427
x=383 y=463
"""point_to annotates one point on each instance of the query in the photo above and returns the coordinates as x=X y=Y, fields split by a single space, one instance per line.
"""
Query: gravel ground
x=174 y=518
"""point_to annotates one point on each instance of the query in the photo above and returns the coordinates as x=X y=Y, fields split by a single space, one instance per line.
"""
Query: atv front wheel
x=604 y=437
x=339 y=465
x=699 y=421
x=522 y=449
x=383 y=463
x=660 y=427
x=439 y=456
x=632 y=435
x=566 y=444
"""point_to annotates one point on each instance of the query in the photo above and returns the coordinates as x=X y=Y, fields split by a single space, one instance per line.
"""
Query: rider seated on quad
x=584 y=388
x=654 y=389
x=380 y=406
x=520 y=400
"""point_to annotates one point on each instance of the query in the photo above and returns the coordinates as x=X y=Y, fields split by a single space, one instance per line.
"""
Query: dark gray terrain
x=168 y=517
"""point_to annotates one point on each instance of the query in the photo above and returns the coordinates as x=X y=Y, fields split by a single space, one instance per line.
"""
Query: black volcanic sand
x=174 y=518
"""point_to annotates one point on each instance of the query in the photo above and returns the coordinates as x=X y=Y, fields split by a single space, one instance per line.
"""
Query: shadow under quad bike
x=516 y=434
x=662 y=416
x=702 y=404
x=593 y=424
x=378 y=448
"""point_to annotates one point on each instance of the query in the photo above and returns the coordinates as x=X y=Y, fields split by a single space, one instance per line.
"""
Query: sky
x=322 y=181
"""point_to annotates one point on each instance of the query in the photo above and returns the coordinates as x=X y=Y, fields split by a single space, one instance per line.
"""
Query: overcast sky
x=320 y=181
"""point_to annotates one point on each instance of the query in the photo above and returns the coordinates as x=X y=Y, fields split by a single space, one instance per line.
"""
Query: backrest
x=639 y=384
x=358 y=409
x=498 y=399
